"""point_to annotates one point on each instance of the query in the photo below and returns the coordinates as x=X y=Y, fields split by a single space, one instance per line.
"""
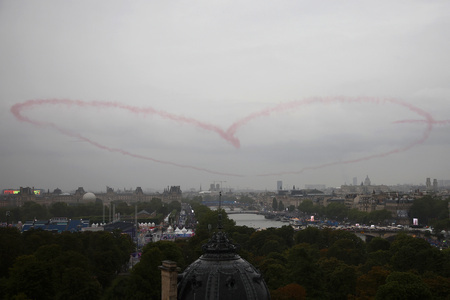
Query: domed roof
x=220 y=273
x=89 y=197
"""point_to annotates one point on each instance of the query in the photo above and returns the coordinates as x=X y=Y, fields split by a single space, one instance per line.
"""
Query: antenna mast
x=220 y=227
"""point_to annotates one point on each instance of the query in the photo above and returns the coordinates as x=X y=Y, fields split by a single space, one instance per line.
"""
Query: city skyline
x=223 y=186
x=156 y=94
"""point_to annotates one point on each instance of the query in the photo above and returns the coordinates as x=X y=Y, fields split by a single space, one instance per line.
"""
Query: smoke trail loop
x=229 y=134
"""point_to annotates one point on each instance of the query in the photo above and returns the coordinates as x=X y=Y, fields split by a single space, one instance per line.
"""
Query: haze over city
x=152 y=94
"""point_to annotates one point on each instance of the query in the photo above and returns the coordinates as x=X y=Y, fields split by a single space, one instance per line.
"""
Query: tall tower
x=279 y=185
x=428 y=184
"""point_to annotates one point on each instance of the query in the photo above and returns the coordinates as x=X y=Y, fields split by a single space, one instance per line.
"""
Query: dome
x=220 y=273
x=89 y=197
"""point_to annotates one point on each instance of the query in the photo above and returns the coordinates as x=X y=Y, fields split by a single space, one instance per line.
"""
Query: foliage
x=339 y=278
x=271 y=240
x=429 y=209
x=378 y=243
x=307 y=207
x=303 y=269
x=274 y=204
x=308 y=264
x=438 y=285
x=403 y=285
x=337 y=211
x=280 y=206
x=145 y=279
x=61 y=266
x=11 y=245
x=246 y=200
x=408 y=253
x=291 y=291
x=367 y=284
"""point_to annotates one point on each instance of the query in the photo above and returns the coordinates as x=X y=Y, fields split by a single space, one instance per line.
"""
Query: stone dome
x=89 y=197
x=220 y=273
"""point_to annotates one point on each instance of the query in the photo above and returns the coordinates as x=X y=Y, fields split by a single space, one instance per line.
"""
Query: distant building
x=173 y=193
x=19 y=197
x=279 y=185
x=320 y=187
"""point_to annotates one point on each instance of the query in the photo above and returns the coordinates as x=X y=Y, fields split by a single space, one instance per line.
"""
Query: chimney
x=169 y=280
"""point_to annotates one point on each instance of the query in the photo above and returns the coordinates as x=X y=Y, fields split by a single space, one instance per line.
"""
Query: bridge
x=232 y=212
x=368 y=234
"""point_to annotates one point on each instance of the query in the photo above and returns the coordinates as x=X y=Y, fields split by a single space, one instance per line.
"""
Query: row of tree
x=42 y=265
x=31 y=210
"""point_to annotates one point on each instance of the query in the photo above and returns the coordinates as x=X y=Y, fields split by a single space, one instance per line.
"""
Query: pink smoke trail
x=229 y=134
x=16 y=109
x=17 y=112
x=428 y=119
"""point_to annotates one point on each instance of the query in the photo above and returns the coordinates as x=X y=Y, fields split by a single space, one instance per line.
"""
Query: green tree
x=31 y=210
x=303 y=269
x=35 y=238
x=11 y=245
x=287 y=234
x=339 y=278
x=440 y=225
x=146 y=274
x=106 y=254
x=30 y=277
x=379 y=216
x=409 y=253
x=310 y=235
x=77 y=283
x=350 y=251
x=357 y=216
x=307 y=207
x=274 y=204
x=280 y=206
x=438 y=285
x=209 y=221
x=378 y=243
x=60 y=209
x=123 y=208
x=403 y=285
x=241 y=235
x=380 y=258
x=291 y=291
x=429 y=209
x=246 y=200
x=367 y=284
x=337 y=211
x=174 y=206
x=266 y=241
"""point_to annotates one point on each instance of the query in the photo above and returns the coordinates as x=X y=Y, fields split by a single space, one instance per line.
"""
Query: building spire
x=220 y=226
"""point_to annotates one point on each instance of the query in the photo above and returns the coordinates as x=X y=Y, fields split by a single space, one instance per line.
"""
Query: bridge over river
x=232 y=212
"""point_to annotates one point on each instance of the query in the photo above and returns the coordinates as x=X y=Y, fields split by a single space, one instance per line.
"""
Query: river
x=255 y=221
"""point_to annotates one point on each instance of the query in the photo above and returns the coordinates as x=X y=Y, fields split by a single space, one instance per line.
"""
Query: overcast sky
x=242 y=93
